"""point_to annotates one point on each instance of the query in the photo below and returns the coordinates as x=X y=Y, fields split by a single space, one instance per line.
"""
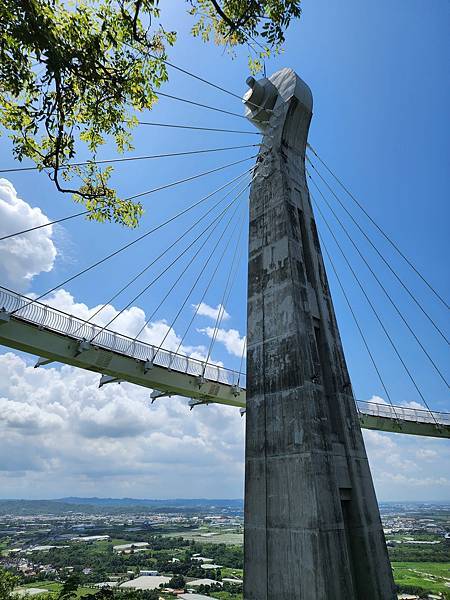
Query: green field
x=53 y=586
x=198 y=535
x=434 y=577
x=229 y=572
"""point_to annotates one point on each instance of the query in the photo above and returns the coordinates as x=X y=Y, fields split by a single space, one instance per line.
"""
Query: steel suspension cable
x=222 y=312
x=147 y=267
x=386 y=262
x=388 y=238
x=10 y=235
x=153 y=124
x=356 y=321
x=225 y=296
x=138 y=239
x=205 y=291
x=174 y=183
x=186 y=72
x=214 y=339
x=146 y=193
x=221 y=110
x=380 y=321
x=244 y=347
x=210 y=83
x=133 y=158
x=379 y=282
x=199 y=275
x=215 y=222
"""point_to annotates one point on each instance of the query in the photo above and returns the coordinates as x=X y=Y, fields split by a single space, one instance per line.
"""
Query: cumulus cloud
x=73 y=437
x=205 y=310
x=24 y=256
x=402 y=471
x=230 y=338
x=62 y=435
x=130 y=322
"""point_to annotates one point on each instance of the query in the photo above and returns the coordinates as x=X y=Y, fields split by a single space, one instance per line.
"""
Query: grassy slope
x=53 y=586
x=429 y=576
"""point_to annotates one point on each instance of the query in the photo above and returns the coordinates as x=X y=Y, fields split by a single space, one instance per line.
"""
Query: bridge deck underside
x=172 y=374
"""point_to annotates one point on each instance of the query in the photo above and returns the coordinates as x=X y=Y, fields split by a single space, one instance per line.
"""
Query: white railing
x=404 y=413
x=56 y=320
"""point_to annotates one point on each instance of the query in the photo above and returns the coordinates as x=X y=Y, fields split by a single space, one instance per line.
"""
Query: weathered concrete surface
x=312 y=525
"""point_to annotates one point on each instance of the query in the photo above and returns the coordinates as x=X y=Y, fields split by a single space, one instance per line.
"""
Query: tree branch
x=220 y=12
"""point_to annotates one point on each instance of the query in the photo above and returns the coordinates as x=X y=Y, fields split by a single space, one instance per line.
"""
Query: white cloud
x=230 y=338
x=426 y=453
x=205 y=310
x=414 y=404
x=402 y=471
x=22 y=257
x=60 y=434
x=130 y=321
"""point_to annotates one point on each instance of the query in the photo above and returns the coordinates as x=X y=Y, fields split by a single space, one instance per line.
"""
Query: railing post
x=41 y=325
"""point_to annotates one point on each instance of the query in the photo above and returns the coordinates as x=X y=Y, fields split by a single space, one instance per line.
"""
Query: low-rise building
x=129 y=547
x=205 y=581
x=145 y=582
x=91 y=538
x=43 y=548
x=202 y=559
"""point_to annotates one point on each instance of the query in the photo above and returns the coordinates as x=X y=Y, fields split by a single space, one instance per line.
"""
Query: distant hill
x=116 y=505
x=183 y=502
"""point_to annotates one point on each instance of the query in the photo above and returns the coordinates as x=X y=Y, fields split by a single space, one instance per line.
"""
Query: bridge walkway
x=54 y=335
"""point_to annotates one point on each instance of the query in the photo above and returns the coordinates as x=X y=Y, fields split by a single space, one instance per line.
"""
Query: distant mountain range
x=116 y=505
x=94 y=505
x=185 y=502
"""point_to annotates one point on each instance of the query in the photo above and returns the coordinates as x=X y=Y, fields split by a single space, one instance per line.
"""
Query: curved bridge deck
x=53 y=335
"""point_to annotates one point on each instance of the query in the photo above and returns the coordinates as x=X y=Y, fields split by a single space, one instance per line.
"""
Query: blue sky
x=378 y=73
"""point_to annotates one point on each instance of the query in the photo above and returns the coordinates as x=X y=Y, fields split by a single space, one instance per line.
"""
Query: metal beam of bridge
x=53 y=335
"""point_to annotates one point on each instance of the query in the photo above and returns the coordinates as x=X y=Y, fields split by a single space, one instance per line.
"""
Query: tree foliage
x=178 y=582
x=70 y=587
x=76 y=72
x=260 y=25
x=7 y=584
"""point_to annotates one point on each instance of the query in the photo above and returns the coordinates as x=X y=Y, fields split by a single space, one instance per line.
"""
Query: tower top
x=266 y=96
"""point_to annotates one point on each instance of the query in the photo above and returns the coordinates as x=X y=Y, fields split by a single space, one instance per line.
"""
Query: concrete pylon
x=312 y=524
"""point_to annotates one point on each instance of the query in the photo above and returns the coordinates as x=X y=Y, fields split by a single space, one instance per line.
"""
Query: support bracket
x=104 y=379
x=5 y=316
x=83 y=346
x=159 y=394
x=41 y=361
x=148 y=365
x=200 y=380
x=193 y=402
